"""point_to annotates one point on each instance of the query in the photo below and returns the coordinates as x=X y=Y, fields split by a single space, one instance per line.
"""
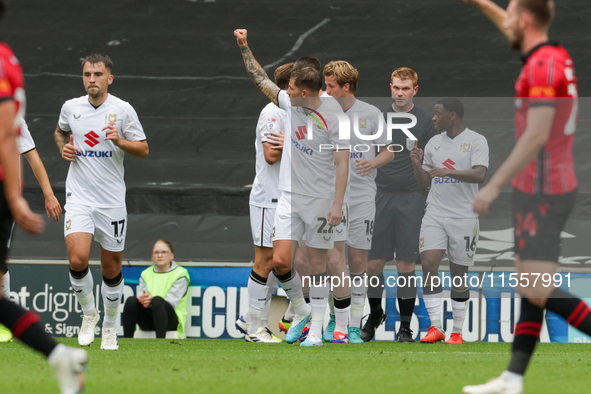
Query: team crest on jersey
x=362 y=123
x=410 y=144
x=466 y=147
x=112 y=118
x=69 y=224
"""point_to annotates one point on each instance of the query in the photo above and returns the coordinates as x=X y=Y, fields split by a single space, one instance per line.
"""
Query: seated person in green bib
x=161 y=304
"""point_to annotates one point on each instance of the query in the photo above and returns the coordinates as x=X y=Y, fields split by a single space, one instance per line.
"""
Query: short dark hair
x=308 y=61
x=542 y=10
x=452 y=104
x=282 y=75
x=164 y=242
x=307 y=78
x=99 y=58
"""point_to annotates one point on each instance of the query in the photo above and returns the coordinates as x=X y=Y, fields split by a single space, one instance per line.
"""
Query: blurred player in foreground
x=26 y=147
x=542 y=172
x=68 y=363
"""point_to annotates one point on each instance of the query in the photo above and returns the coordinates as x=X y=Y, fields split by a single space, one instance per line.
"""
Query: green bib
x=160 y=283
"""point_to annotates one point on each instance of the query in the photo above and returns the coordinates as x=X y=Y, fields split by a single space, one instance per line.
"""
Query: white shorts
x=109 y=225
x=361 y=220
x=459 y=237
x=341 y=231
x=299 y=215
x=262 y=221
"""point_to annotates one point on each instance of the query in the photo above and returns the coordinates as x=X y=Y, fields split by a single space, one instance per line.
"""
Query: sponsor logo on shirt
x=92 y=139
x=356 y=155
x=447 y=180
x=95 y=153
x=304 y=149
x=449 y=164
x=301 y=133
x=542 y=91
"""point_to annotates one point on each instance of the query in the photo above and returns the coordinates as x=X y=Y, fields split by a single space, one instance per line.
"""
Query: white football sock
x=6 y=284
x=459 y=314
x=331 y=302
x=433 y=305
x=341 y=318
x=112 y=299
x=358 y=292
x=293 y=289
x=257 y=295
x=83 y=291
x=288 y=315
x=318 y=300
x=272 y=285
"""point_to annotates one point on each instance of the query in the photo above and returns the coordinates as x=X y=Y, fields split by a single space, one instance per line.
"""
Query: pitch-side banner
x=218 y=296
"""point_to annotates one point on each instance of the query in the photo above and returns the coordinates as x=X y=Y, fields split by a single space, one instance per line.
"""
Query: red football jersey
x=548 y=78
x=12 y=85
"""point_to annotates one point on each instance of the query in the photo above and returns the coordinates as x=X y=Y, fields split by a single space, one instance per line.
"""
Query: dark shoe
x=405 y=335
x=369 y=328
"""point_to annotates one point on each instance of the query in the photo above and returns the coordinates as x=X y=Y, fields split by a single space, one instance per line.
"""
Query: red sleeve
x=11 y=76
x=546 y=80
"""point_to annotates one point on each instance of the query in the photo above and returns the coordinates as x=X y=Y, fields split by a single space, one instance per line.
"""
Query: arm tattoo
x=258 y=75
x=61 y=138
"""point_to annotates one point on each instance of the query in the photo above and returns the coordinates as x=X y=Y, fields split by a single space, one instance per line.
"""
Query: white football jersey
x=451 y=197
x=365 y=119
x=307 y=164
x=25 y=141
x=265 y=188
x=95 y=178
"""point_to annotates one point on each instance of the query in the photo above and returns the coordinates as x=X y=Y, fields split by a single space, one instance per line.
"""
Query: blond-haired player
x=341 y=80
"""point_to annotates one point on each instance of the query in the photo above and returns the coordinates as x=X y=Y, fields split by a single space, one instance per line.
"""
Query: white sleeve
x=270 y=122
x=427 y=159
x=63 y=120
x=479 y=152
x=284 y=100
x=25 y=141
x=132 y=128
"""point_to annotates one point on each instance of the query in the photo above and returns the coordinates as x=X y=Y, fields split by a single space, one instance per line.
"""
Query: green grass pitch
x=234 y=366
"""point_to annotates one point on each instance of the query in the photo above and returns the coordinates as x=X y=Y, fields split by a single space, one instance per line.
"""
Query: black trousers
x=159 y=317
x=6 y=223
